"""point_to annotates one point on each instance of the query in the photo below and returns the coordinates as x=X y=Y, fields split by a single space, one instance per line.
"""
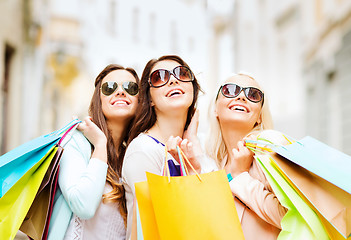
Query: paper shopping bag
x=25 y=168
x=51 y=206
x=320 y=159
x=332 y=204
x=300 y=221
x=15 y=204
x=38 y=216
x=188 y=208
x=14 y=164
x=146 y=212
x=320 y=174
x=136 y=233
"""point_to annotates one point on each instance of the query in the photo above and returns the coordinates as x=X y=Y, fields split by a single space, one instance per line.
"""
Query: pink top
x=259 y=210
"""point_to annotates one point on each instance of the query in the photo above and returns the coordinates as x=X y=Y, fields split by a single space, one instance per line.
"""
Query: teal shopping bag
x=320 y=159
x=317 y=172
x=14 y=164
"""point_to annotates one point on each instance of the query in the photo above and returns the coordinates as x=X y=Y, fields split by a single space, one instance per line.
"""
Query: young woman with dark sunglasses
x=168 y=96
x=238 y=112
x=91 y=200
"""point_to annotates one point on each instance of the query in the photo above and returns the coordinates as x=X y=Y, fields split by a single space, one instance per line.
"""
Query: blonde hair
x=215 y=146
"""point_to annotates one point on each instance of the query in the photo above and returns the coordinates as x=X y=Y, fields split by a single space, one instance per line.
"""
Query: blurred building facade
x=300 y=52
x=55 y=48
x=327 y=72
x=21 y=70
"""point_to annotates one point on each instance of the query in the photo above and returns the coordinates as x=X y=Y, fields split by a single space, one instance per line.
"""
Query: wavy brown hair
x=115 y=154
x=145 y=116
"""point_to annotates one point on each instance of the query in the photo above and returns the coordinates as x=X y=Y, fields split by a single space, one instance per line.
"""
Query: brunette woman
x=168 y=98
x=90 y=202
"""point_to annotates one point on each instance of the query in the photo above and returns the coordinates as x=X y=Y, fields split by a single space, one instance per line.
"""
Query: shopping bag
x=300 y=221
x=25 y=181
x=15 y=204
x=137 y=233
x=320 y=159
x=51 y=206
x=38 y=216
x=193 y=206
x=192 y=209
x=146 y=212
x=332 y=204
x=14 y=164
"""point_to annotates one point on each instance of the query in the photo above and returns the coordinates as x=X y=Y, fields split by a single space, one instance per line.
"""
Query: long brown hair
x=115 y=154
x=145 y=116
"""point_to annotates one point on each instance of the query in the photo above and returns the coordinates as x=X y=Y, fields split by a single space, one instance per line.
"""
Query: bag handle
x=263 y=145
x=72 y=127
x=184 y=169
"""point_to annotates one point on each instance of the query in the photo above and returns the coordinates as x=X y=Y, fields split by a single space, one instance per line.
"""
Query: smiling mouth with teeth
x=120 y=103
x=173 y=93
x=238 y=108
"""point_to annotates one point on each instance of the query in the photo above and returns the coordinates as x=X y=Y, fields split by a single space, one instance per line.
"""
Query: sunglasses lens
x=254 y=94
x=183 y=74
x=159 y=78
x=108 y=88
x=131 y=88
x=231 y=90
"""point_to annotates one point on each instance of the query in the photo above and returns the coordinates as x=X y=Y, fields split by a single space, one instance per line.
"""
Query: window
x=135 y=24
x=9 y=52
x=191 y=44
x=112 y=17
x=318 y=11
x=152 y=32
x=174 y=37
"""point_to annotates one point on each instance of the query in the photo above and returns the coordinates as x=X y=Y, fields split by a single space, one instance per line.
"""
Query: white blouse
x=106 y=224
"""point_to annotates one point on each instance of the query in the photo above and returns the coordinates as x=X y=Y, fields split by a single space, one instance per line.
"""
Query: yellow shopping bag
x=15 y=204
x=146 y=211
x=188 y=207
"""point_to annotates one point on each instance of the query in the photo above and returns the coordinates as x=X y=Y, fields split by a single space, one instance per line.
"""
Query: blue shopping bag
x=14 y=164
x=320 y=159
x=318 y=173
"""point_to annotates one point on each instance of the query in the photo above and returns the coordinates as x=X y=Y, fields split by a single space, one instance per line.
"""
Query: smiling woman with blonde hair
x=216 y=148
x=240 y=111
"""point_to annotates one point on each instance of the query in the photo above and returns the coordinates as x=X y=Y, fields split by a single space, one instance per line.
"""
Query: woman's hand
x=191 y=132
x=187 y=147
x=96 y=137
x=92 y=132
x=191 y=135
x=241 y=160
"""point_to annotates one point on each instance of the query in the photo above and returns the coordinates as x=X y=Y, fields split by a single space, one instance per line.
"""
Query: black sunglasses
x=231 y=90
x=107 y=88
x=160 y=77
